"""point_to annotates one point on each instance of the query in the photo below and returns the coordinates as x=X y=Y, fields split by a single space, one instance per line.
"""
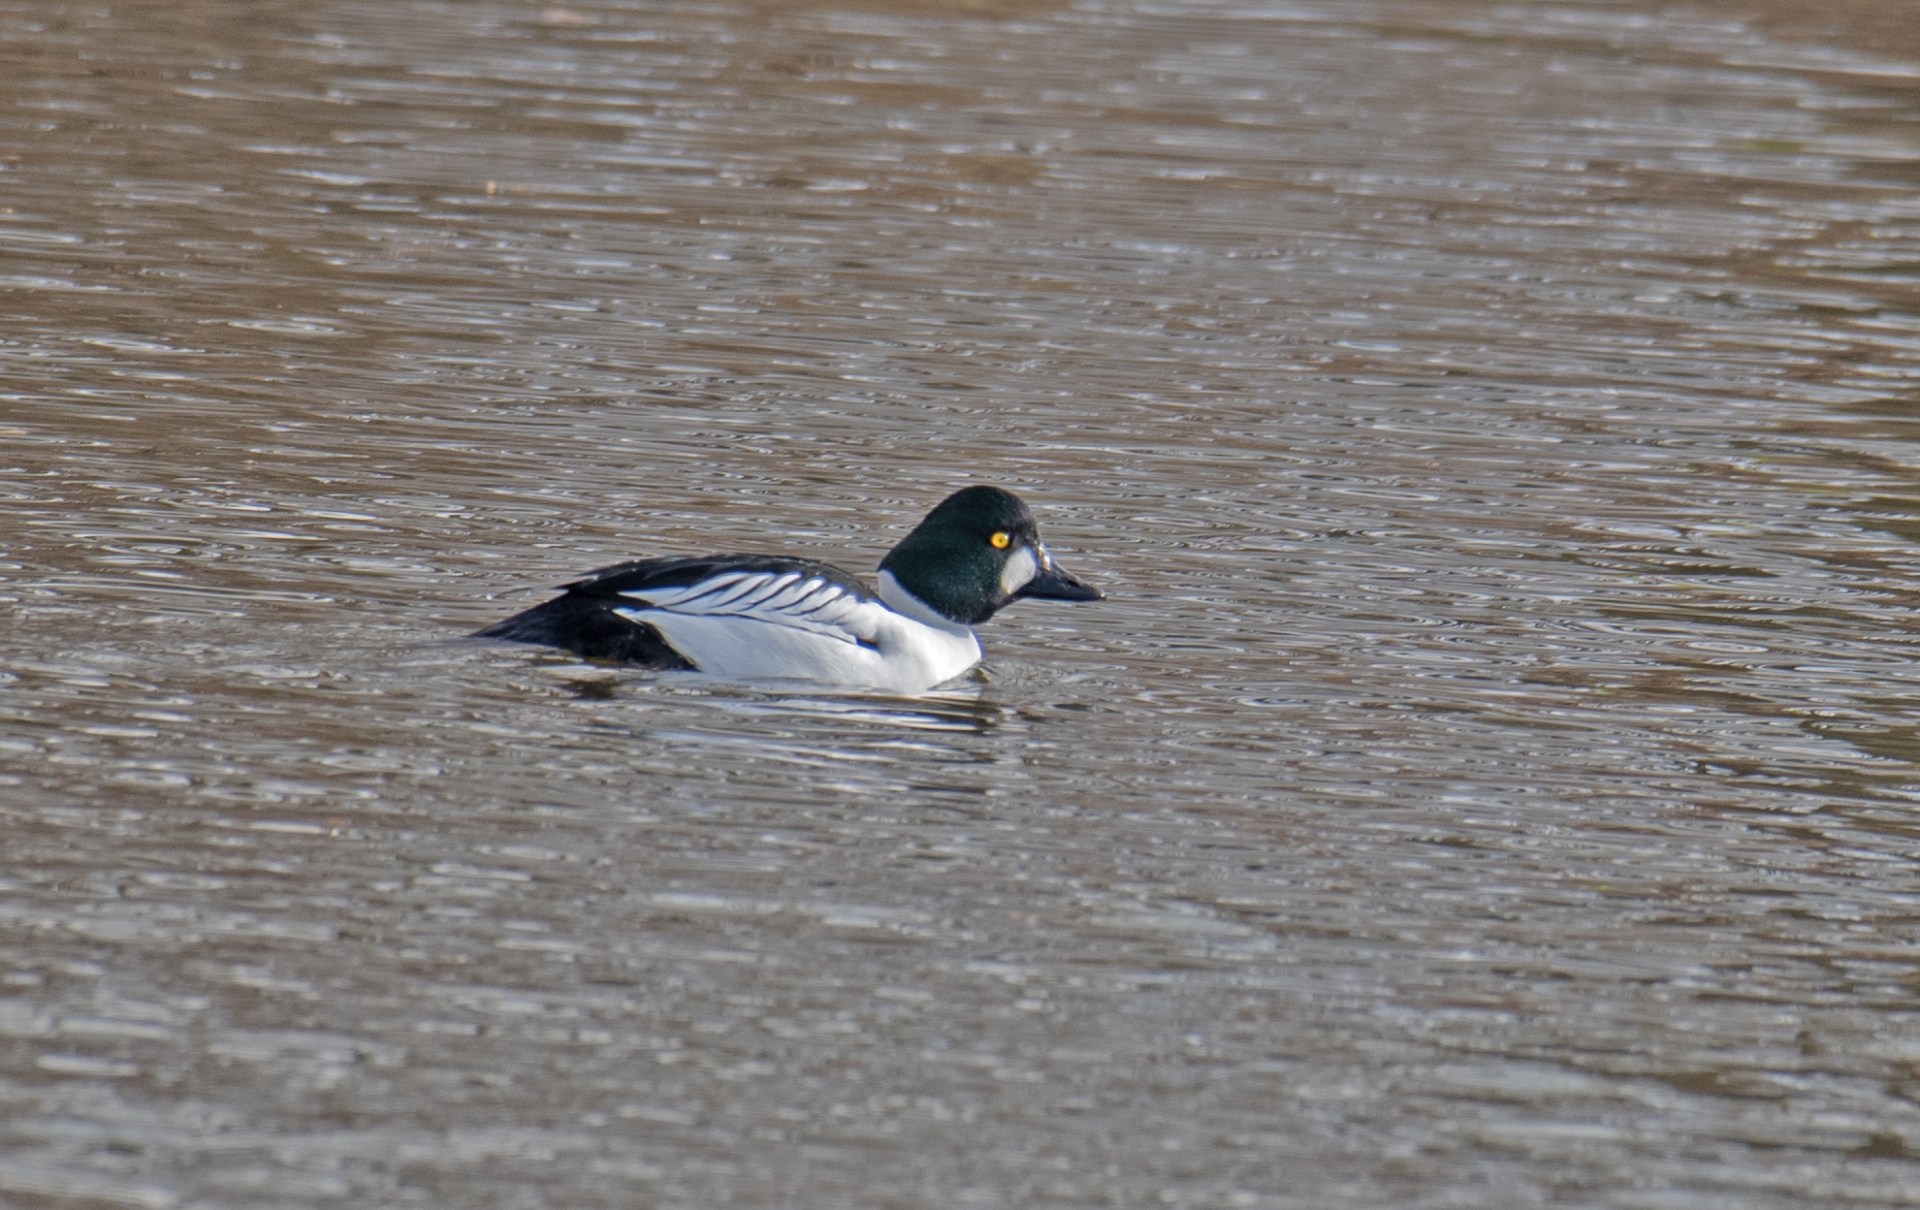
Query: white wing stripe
x=792 y=593
x=686 y=593
x=820 y=607
x=752 y=600
x=808 y=603
x=712 y=602
x=738 y=602
x=773 y=588
x=832 y=610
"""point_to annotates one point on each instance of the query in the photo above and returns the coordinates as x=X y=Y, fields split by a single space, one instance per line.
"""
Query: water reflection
x=1490 y=783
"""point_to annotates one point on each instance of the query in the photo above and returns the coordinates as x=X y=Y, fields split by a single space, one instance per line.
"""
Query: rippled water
x=1491 y=781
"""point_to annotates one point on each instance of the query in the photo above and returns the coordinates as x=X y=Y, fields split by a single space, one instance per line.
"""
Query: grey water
x=1491 y=781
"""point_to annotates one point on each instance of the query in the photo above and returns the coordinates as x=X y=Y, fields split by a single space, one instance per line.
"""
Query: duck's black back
x=681 y=571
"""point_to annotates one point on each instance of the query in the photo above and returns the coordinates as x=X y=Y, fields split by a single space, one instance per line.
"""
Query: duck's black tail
x=590 y=628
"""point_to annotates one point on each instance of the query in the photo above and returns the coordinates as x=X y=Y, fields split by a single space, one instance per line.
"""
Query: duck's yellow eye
x=1001 y=540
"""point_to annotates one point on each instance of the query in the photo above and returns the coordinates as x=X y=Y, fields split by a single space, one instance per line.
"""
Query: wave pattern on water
x=1490 y=781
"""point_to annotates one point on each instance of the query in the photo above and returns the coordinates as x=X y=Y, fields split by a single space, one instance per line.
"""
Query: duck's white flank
x=767 y=625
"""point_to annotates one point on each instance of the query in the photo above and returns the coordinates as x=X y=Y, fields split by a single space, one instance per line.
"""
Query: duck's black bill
x=1053 y=584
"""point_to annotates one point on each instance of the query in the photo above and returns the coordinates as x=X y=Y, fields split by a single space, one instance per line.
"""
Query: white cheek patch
x=1021 y=567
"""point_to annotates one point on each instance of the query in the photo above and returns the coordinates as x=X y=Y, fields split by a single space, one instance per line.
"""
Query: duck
x=769 y=617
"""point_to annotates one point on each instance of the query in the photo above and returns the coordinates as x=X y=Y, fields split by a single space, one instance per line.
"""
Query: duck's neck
x=903 y=602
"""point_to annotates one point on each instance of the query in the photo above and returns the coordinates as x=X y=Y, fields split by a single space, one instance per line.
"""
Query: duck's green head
x=976 y=553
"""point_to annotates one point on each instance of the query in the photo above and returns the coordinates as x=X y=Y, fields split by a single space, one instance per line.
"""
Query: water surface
x=1490 y=782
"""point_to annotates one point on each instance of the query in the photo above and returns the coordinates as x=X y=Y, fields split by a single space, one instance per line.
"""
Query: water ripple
x=1489 y=781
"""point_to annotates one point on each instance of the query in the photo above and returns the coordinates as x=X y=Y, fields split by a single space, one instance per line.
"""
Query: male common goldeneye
x=767 y=617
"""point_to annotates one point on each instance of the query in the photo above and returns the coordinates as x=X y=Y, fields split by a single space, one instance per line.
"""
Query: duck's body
x=764 y=617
